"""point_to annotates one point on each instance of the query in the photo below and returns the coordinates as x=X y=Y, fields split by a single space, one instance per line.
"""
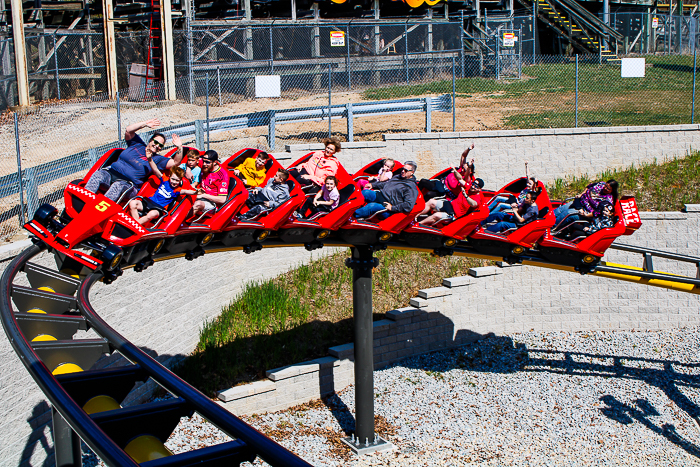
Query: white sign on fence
x=267 y=86
x=337 y=39
x=655 y=23
x=509 y=39
x=632 y=68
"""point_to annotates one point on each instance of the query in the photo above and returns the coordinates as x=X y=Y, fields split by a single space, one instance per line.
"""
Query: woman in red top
x=321 y=165
x=465 y=202
x=450 y=186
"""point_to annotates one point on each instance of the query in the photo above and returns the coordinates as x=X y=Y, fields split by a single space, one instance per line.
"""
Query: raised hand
x=177 y=141
x=152 y=123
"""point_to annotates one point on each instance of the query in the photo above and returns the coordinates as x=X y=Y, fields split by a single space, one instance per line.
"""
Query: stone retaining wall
x=500 y=299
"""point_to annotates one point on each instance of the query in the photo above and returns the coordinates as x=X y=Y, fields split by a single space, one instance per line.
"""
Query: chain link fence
x=374 y=80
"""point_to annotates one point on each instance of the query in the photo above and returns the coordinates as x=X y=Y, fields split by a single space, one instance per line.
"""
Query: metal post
x=198 y=134
x=695 y=61
x=576 y=98
x=349 y=116
x=55 y=61
x=347 y=63
x=329 y=99
x=454 y=102
x=405 y=53
x=428 y=109
x=19 y=173
x=271 y=130
x=218 y=84
x=32 y=185
x=66 y=443
x=272 y=56
x=207 y=89
x=190 y=76
x=362 y=262
x=119 y=119
x=534 y=30
x=461 y=40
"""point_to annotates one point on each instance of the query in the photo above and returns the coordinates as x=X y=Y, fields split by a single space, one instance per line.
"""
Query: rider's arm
x=134 y=127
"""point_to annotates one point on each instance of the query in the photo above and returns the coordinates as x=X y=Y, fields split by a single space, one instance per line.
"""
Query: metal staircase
x=585 y=31
x=154 y=62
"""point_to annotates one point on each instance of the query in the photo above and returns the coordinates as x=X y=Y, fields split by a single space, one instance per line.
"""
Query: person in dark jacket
x=398 y=194
x=269 y=197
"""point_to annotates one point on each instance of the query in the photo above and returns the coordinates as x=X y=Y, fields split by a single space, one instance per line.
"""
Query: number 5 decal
x=102 y=206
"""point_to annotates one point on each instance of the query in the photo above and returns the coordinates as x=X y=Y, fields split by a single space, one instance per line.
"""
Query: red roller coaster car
x=590 y=249
x=513 y=243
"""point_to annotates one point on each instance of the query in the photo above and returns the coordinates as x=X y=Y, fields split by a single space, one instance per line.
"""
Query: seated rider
x=319 y=166
x=465 y=202
x=132 y=166
x=450 y=187
x=603 y=222
x=213 y=190
x=398 y=194
x=527 y=211
x=269 y=197
x=500 y=202
x=252 y=170
x=384 y=174
x=587 y=204
x=191 y=167
x=166 y=193
x=325 y=200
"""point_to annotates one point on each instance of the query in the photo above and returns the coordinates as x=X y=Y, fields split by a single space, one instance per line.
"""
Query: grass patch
x=298 y=315
x=657 y=186
x=545 y=97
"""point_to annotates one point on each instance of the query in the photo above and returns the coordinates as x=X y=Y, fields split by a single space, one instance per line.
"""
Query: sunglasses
x=158 y=144
x=207 y=161
x=406 y=170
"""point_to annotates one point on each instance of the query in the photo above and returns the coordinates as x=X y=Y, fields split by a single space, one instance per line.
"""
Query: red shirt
x=215 y=183
x=452 y=184
x=461 y=206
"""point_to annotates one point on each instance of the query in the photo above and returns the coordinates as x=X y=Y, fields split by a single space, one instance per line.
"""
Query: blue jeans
x=564 y=210
x=497 y=202
x=501 y=226
x=497 y=216
x=371 y=207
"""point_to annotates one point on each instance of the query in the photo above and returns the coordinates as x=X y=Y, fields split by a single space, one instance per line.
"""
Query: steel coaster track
x=45 y=343
x=108 y=432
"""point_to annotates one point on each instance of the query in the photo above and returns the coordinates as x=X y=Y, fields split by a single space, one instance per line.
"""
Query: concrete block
x=292 y=371
x=485 y=271
x=383 y=325
x=460 y=281
x=342 y=352
x=692 y=208
x=418 y=302
x=402 y=313
x=434 y=292
x=503 y=264
x=246 y=390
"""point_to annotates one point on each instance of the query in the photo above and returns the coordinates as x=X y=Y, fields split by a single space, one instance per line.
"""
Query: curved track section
x=41 y=327
x=42 y=320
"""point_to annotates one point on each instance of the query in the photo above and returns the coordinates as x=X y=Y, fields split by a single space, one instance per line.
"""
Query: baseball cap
x=479 y=182
x=211 y=155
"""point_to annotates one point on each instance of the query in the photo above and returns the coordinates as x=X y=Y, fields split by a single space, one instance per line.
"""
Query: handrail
x=75 y=163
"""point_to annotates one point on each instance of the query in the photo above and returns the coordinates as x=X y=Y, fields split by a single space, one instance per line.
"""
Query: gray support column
x=250 y=82
x=349 y=116
x=20 y=52
x=376 y=75
x=316 y=47
x=364 y=440
x=428 y=111
x=294 y=10
x=272 y=120
x=66 y=442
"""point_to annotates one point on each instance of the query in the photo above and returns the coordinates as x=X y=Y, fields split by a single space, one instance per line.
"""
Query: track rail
x=109 y=432
x=46 y=343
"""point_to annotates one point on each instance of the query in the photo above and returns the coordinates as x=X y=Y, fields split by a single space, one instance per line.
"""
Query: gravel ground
x=537 y=398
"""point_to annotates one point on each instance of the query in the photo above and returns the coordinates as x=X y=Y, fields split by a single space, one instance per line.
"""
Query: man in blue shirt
x=132 y=166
